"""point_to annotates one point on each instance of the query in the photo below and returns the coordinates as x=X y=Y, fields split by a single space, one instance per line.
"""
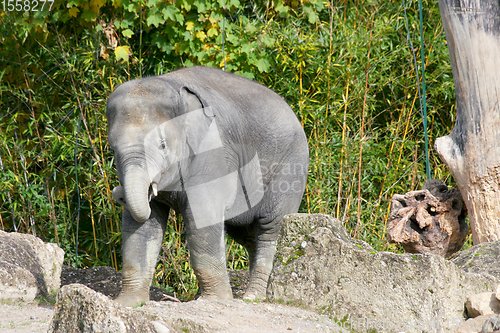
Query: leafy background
x=345 y=67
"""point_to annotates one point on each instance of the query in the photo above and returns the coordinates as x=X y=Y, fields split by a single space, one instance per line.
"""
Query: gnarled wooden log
x=431 y=220
x=472 y=149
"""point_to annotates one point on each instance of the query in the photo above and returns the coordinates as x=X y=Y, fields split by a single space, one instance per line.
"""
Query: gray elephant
x=225 y=152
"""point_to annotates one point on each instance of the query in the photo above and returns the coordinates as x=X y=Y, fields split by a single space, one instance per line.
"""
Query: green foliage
x=351 y=80
x=344 y=67
x=173 y=271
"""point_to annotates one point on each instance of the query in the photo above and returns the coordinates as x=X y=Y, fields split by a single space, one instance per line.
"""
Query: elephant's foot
x=257 y=286
x=220 y=293
x=213 y=297
x=133 y=299
x=255 y=293
x=214 y=285
x=254 y=296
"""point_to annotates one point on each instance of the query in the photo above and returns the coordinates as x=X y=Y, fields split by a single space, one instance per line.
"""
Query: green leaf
x=268 y=40
x=122 y=53
x=250 y=28
x=318 y=5
x=97 y=3
x=312 y=16
x=247 y=48
x=212 y=32
x=236 y=3
x=179 y=18
x=89 y=15
x=186 y=4
x=132 y=6
x=202 y=7
x=251 y=58
x=169 y=13
x=230 y=4
x=188 y=36
x=281 y=9
x=56 y=16
x=246 y=74
x=263 y=65
x=201 y=35
x=73 y=12
x=189 y=26
x=233 y=39
x=155 y=19
x=127 y=33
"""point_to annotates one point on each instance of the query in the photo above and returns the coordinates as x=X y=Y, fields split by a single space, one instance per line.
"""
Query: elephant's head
x=152 y=126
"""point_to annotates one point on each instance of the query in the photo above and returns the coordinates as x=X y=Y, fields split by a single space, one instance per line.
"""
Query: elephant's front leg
x=141 y=243
x=204 y=217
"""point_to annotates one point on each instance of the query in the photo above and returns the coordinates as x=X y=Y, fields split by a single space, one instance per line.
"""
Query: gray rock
x=482 y=304
x=492 y=324
x=475 y=325
x=16 y=283
x=294 y=229
x=28 y=267
x=482 y=258
x=80 y=309
x=366 y=289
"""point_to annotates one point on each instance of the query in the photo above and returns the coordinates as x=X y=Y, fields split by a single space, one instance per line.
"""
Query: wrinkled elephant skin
x=225 y=152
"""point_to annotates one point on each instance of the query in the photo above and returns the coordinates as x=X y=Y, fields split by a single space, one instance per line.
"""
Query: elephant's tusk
x=154 y=186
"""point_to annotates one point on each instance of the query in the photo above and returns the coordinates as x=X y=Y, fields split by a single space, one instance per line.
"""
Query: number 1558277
x=26 y=5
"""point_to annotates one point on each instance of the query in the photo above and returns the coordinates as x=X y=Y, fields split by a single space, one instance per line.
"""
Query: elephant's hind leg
x=140 y=249
x=261 y=254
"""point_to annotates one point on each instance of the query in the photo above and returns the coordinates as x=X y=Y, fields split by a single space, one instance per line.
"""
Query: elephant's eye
x=162 y=145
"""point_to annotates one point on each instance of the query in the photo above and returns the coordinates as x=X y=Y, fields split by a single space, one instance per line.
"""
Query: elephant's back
x=254 y=109
x=216 y=78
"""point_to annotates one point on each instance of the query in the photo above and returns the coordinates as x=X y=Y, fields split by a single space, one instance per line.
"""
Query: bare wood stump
x=472 y=149
x=431 y=220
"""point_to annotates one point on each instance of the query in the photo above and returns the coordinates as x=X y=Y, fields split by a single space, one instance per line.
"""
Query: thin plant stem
x=363 y=116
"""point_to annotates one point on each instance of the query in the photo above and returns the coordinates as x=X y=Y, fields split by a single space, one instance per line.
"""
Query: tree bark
x=472 y=149
x=429 y=221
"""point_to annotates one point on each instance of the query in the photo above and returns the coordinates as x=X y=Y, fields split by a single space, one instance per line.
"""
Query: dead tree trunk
x=472 y=149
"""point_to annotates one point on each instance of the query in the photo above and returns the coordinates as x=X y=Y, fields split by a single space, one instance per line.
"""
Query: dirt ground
x=229 y=316
x=25 y=318
x=237 y=316
x=219 y=316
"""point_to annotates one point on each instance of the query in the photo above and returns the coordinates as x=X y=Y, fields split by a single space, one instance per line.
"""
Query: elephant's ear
x=190 y=100
x=201 y=130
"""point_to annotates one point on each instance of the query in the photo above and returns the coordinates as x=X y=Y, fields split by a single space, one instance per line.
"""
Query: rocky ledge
x=319 y=267
x=322 y=281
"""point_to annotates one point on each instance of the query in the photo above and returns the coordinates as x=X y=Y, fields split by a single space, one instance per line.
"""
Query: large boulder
x=80 y=309
x=318 y=266
x=483 y=258
x=28 y=267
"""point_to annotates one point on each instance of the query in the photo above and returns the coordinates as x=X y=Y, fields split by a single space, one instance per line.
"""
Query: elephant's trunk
x=136 y=191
